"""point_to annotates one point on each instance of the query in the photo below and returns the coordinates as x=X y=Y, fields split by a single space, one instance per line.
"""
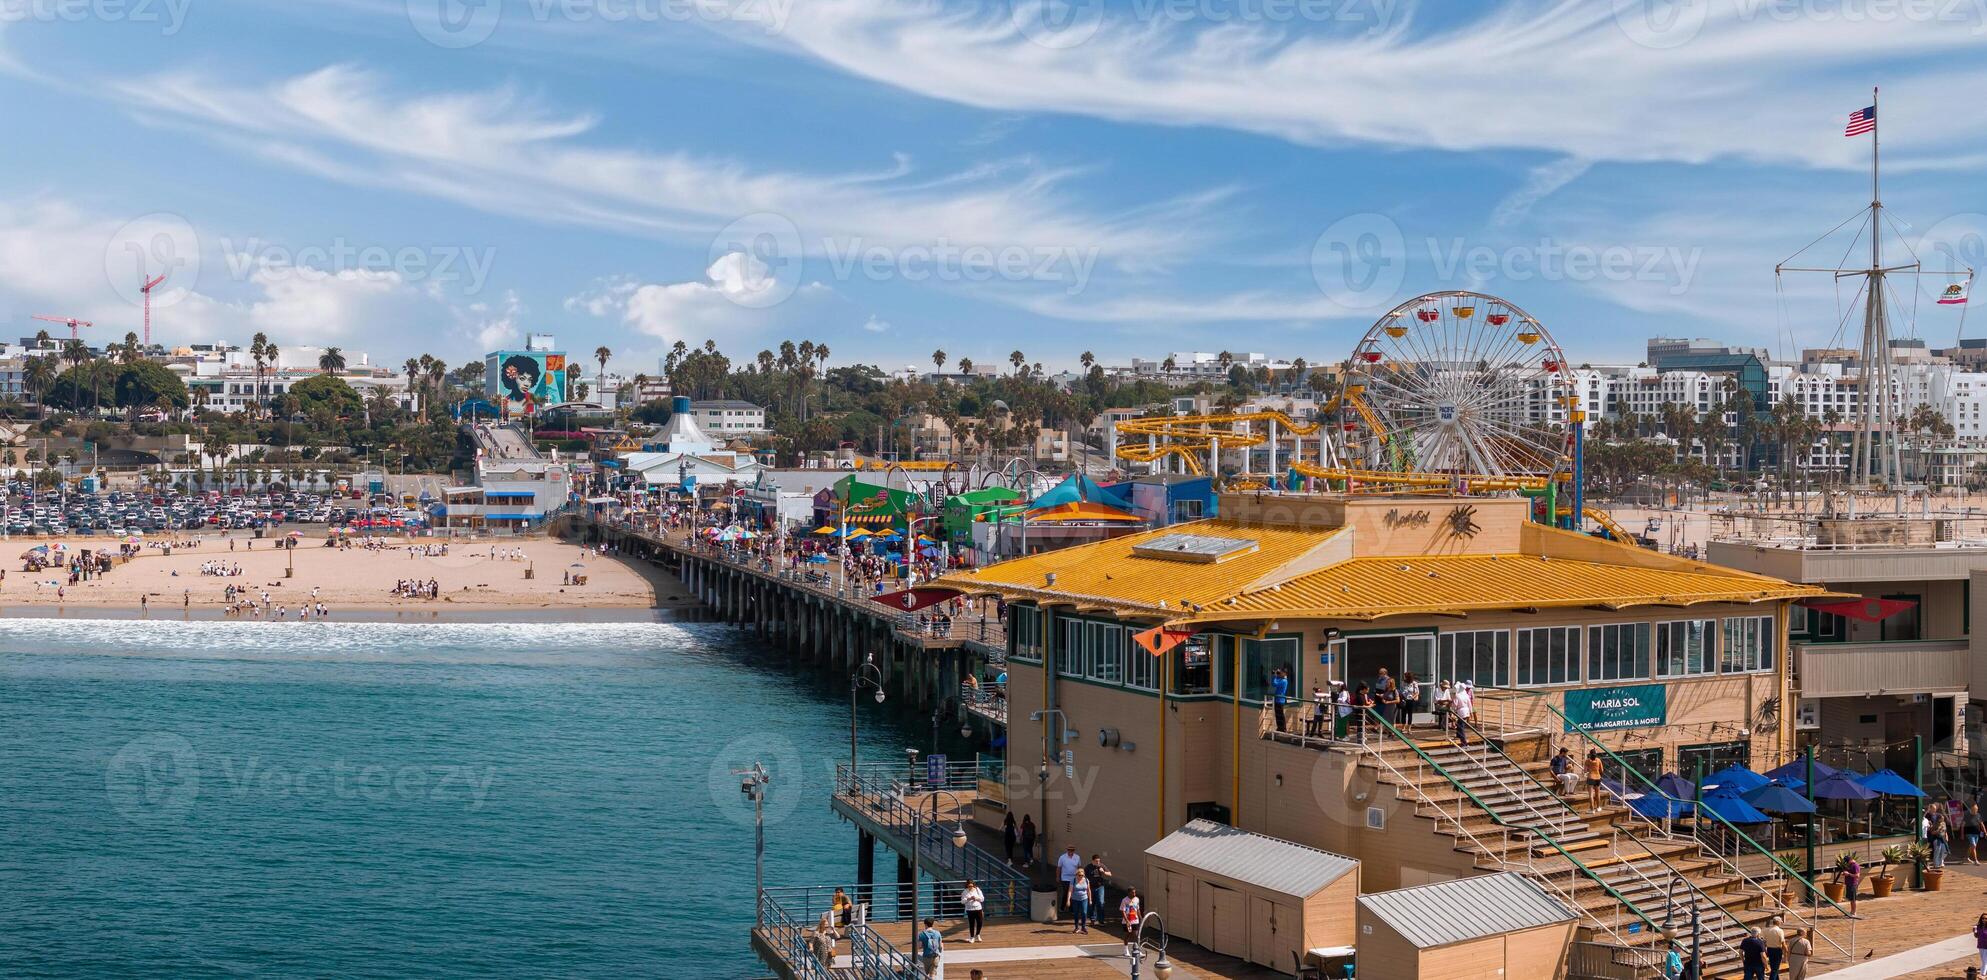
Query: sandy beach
x=354 y=580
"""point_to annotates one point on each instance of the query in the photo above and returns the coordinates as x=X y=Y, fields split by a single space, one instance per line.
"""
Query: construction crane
x=146 y=289
x=74 y=325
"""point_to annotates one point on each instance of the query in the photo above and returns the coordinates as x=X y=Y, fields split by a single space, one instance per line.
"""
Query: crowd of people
x=410 y=588
x=221 y=568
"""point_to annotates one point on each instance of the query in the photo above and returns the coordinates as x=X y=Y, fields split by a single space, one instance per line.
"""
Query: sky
x=1123 y=177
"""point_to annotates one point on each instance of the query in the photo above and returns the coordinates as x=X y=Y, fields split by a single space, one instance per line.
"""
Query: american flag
x=1861 y=121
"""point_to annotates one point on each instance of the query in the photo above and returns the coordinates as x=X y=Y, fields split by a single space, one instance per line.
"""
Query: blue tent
x=1732 y=807
x=1889 y=783
x=1779 y=799
x=1841 y=785
x=1077 y=487
x=1798 y=769
x=1737 y=778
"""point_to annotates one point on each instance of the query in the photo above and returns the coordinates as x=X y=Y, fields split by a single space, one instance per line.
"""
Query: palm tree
x=129 y=351
x=1086 y=360
x=1169 y=365
x=331 y=361
x=39 y=374
x=270 y=351
x=938 y=360
x=601 y=354
x=258 y=348
x=966 y=366
x=1017 y=359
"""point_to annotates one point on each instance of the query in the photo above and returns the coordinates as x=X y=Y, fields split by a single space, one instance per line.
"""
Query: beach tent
x=1077 y=488
x=1082 y=510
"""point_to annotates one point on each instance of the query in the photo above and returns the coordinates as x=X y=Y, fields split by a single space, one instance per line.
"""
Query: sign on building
x=1603 y=709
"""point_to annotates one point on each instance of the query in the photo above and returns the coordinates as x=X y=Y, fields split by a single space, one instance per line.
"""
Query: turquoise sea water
x=381 y=799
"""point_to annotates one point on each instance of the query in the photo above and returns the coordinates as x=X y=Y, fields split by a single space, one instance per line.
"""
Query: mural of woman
x=521 y=374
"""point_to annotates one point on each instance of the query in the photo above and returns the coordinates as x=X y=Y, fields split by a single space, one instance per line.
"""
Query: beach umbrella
x=858 y=533
x=818 y=559
x=1779 y=798
x=1841 y=785
x=824 y=530
x=1887 y=783
x=1798 y=769
x=1733 y=807
x=295 y=534
x=1737 y=778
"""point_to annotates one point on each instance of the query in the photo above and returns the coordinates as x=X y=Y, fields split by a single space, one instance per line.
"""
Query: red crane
x=147 y=290
x=71 y=322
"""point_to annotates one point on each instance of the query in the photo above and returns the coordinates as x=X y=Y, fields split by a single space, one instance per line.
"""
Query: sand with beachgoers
x=477 y=574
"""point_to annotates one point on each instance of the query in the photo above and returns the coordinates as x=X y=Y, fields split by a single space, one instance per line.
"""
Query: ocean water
x=383 y=799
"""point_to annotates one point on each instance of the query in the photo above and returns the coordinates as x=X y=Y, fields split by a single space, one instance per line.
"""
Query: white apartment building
x=727 y=418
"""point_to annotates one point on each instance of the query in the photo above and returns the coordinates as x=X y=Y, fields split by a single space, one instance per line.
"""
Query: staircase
x=1623 y=874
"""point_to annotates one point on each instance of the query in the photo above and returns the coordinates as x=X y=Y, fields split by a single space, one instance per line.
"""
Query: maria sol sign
x=1602 y=709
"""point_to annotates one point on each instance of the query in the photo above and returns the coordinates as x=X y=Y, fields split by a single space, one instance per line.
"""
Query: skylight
x=1197 y=548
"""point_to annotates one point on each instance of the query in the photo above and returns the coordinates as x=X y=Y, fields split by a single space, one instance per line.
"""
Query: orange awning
x=1082 y=510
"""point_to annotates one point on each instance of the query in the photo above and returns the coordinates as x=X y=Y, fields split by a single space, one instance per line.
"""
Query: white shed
x=1249 y=896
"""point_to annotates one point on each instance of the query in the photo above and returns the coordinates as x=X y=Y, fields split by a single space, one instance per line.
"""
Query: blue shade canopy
x=1841 y=785
x=1798 y=770
x=1732 y=807
x=1775 y=798
x=1659 y=806
x=1674 y=785
x=1889 y=783
x=1737 y=778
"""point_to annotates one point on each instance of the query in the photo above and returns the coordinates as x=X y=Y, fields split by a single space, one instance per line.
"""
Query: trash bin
x=1042 y=904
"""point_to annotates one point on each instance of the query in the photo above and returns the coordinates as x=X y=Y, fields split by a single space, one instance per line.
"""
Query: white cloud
x=876 y=325
x=1566 y=76
x=731 y=299
x=1539 y=185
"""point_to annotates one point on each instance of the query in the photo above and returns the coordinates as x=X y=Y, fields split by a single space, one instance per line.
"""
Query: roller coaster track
x=1188 y=438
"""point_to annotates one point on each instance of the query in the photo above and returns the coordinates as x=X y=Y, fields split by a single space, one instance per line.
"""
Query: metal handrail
x=789 y=940
x=933 y=843
x=1728 y=863
x=890 y=901
x=1498 y=819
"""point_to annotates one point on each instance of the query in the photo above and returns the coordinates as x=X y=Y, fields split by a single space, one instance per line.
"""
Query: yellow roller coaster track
x=912 y=466
x=1389 y=481
x=1189 y=437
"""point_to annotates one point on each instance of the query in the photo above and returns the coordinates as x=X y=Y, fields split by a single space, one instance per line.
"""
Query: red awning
x=1867 y=609
x=912 y=600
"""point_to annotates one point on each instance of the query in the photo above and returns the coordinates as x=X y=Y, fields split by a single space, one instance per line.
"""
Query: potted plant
x=1933 y=877
x=1833 y=888
x=1884 y=881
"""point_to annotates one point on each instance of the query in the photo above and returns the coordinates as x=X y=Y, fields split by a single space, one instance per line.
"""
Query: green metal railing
x=1538 y=832
x=1737 y=835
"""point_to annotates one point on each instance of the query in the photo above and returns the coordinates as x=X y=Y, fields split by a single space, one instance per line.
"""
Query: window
x=1027 y=634
x=1748 y=644
x=1549 y=655
x=1260 y=658
x=1072 y=657
x=1618 y=652
x=1696 y=760
x=1903 y=624
x=1142 y=668
x=1647 y=763
x=1683 y=648
x=1193 y=666
x=1107 y=652
x=1224 y=664
x=1482 y=657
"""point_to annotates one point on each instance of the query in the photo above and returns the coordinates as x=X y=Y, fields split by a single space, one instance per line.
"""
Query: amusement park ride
x=1442 y=395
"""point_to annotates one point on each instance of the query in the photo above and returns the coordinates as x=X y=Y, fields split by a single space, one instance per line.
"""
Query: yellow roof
x=1299 y=573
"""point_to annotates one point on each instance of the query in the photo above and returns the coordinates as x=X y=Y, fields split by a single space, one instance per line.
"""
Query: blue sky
x=1120 y=176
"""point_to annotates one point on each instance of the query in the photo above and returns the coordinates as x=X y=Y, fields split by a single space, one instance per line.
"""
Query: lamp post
x=867 y=673
x=1669 y=917
x=752 y=783
x=917 y=841
x=1162 y=968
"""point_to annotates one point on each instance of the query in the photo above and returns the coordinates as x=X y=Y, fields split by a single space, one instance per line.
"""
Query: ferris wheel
x=1460 y=382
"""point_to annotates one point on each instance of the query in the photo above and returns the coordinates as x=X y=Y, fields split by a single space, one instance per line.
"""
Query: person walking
x=1027 y=839
x=1776 y=946
x=1673 y=963
x=1800 y=947
x=1008 y=836
x=1940 y=833
x=1068 y=866
x=1980 y=941
x=1752 y=955
x=1079 y=903
x=1462 y=704
x=974 y=901
x=1098 y=875
x=1972 y=826
x=931 y=948
x=1130 y=910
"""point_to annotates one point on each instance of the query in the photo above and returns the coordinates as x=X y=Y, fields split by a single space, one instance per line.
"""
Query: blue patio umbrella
x=1798 y=769
x=1674 y=785
x=1841 y=785
x=1889 y=783
x=1732 y=807
x=1737 y=778
x=1660 y=806
x=1778 y=798
x=818 y=559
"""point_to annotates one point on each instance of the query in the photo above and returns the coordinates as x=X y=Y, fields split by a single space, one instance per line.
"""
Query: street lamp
x=917 y=838
x=1162 y=968
x=866 y=673
x=752 y=783
x=1669 y=916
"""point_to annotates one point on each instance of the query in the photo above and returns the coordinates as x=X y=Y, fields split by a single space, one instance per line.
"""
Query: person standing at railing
x=974 y=901
x=1279 y=689
x=843 y=907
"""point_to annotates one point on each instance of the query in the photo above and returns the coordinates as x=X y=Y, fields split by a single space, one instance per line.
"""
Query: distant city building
x=726 y=418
